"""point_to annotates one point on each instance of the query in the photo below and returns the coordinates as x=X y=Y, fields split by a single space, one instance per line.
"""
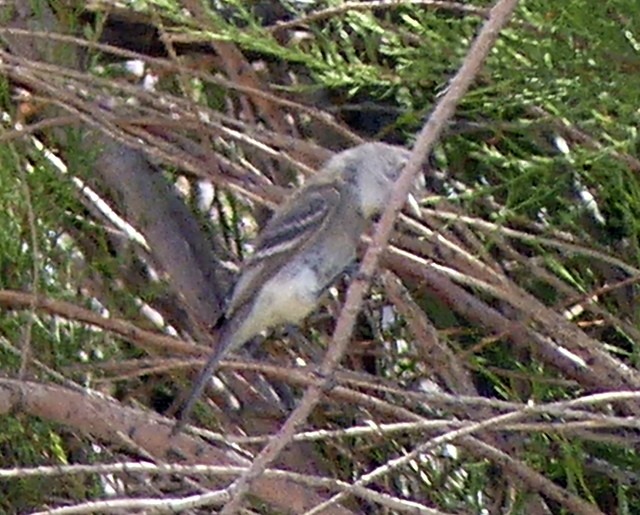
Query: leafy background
x=518 y=285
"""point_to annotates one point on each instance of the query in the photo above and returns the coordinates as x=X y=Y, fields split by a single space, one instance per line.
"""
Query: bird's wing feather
x=287 y=232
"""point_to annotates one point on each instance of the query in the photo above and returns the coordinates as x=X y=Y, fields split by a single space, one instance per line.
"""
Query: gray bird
x=309 y=241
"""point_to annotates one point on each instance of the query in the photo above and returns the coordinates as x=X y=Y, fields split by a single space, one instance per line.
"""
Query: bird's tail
x=224 y=341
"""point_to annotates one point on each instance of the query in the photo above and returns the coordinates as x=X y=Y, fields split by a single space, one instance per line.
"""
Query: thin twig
x=331 y=12
x=500 y=14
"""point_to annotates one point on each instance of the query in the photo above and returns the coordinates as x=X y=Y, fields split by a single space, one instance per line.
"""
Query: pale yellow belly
x=288 y=298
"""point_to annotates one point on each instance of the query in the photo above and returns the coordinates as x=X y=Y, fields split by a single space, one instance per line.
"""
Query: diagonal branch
x=499 y=16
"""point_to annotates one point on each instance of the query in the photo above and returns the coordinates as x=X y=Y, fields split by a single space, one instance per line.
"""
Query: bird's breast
x=287 y=298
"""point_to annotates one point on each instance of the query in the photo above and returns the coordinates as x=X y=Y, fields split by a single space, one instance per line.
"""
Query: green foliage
x=31 y=442
x=559 y=64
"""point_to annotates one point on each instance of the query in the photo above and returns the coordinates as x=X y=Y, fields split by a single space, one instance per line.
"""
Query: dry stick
x=437 y=356
x=499 y=16
x=11 y=299
x=550 y=489
x=331 y=12
x=25 y=357
x=171 y=66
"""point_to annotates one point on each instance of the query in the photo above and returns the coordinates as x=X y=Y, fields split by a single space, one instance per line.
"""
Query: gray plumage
x=307 y=243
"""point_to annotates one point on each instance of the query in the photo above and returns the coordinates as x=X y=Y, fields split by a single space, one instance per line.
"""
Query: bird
x=307 y=243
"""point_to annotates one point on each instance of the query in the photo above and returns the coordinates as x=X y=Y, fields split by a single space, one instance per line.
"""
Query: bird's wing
x=289 y=231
